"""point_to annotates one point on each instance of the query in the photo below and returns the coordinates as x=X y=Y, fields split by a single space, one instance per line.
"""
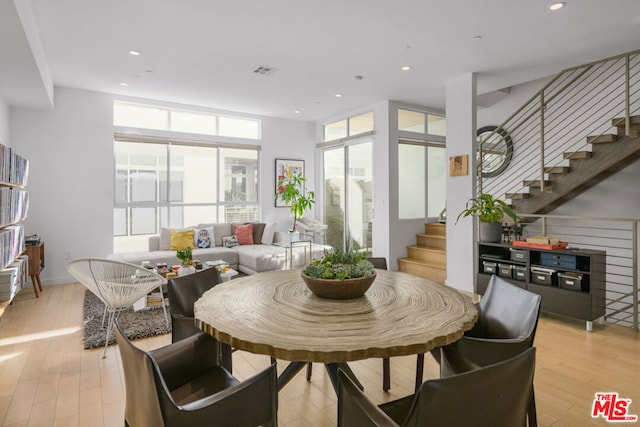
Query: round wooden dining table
x=275 y=314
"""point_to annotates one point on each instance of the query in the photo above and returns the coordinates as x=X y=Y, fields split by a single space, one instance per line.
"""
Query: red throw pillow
x=244 y=233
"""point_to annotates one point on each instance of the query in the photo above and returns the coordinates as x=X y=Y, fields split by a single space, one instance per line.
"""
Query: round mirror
x=497 y=151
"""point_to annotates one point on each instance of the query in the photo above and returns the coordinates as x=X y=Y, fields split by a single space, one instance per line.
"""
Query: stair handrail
x=559 y=89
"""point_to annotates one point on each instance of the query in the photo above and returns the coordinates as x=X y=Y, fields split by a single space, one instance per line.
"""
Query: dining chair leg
x=164 y=306
x=419 y=370
x=386 y=374
x=309 y=370
x=531 y=413
x=227 y=359
x=112 y=316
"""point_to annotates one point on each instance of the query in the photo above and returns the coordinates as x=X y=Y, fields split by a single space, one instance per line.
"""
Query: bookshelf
x=14 y=204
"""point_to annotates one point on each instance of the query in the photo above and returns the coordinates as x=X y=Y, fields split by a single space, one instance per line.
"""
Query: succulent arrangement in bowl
x=340 y=265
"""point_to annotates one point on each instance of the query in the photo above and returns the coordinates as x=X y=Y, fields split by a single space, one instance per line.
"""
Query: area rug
x=136 y=324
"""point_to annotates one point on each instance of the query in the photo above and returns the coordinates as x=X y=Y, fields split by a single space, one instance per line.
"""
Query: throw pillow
x=230 y=241
x=258 y=229
x=165 y=237
x=181 y=239
x=244 y=233
x=267 y=234
x=203 y=238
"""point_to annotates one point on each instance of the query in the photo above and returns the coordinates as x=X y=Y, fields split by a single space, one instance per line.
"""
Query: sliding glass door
x=348 y=196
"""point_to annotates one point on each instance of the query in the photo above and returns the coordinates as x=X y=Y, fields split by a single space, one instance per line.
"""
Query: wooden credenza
x=36 y=264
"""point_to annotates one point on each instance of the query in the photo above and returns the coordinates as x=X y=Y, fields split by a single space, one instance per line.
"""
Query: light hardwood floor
x=47 y=379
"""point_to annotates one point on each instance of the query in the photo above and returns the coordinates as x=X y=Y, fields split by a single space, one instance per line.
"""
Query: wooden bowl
x=339 y=289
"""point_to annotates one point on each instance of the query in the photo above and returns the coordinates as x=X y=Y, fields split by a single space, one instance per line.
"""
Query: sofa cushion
x=258 y=229
x=244 y=234
x=219 y=230
x=181 y=239
x=269 y=231
x=165 y=237
x=203 y=237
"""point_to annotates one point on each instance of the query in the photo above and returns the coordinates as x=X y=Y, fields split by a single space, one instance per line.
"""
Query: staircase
x=609 y=154
x=428 y=258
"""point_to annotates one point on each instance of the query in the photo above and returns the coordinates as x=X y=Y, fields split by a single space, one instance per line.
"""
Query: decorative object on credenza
x=491 y=212
x=339 y=274
x=290 y=189
x=495 y=150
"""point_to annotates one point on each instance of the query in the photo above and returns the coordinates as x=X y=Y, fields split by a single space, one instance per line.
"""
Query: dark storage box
x=489 y=267
x=504 y=270
x=519 y=272
x=573 y=282
x=558 y=260
x=518 y=255
x=543 y=276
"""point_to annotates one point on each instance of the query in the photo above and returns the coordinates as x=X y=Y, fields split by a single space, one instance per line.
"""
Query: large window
x=177 y=120
x=422 y=179
x=174 y=185
x=353 y=126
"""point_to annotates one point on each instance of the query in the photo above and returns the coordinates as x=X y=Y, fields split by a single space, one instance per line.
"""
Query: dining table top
x=275 y=314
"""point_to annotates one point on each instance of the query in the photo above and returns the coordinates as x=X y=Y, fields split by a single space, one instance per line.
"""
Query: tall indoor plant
x=491 y=212
x=291 y=190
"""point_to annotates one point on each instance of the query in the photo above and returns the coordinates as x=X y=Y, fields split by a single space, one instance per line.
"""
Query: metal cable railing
x=578 y=103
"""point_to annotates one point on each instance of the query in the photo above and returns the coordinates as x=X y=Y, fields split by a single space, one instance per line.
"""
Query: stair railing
x=578 y=102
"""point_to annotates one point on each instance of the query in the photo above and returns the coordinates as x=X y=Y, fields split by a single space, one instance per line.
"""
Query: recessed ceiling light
x=477 y=37
x=405 y=68
x=124 y=84
x=557 y=5
x=297 y=111
x=134 y=52
x=338 y=95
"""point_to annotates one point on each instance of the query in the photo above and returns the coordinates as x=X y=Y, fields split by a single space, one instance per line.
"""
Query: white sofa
x=248 y=259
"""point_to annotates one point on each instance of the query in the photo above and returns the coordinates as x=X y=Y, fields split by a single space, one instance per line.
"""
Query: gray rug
x=136 y=324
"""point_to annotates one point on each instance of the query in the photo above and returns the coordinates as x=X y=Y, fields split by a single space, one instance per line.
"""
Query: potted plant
x=291 y=190
x=491 y=212
x=339 y=274
x=186 y=257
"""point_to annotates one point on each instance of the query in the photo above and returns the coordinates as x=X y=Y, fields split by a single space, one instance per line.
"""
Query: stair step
x=536 y=183
x=435 y=229
x=601 y=139
x=620 y=121
x=422 y=269
x=557 y=169
x=575 y=155
x=517 y=196
x=430 y=241
x=435 y=256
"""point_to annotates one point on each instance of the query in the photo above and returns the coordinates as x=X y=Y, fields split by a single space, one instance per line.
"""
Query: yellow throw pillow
x=181 y=239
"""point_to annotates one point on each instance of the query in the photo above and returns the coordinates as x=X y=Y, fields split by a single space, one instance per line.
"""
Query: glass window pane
x=239 y=213
x=411 y=181
x=361 y=124
x=437 y=125
x=334 y=204
x=121 y=186
x=143 y=186
x=193 y=174
x=335 y=130
x=239 y=128
x=143 y=221
x=238 y=174
x=194 y=215
x=436 y=181
x=140 y=116
x=176 y=217
x=360 y=196
x=192 y=122
x=411 y=121
x=120 y=222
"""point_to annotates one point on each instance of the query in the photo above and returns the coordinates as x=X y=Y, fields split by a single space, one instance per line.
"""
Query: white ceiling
x=203 y=52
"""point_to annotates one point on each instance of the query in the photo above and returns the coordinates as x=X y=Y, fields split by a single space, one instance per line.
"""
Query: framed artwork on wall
x=286 y=168
x=459 y=165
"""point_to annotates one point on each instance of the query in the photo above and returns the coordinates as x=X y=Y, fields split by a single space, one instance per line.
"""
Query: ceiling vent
x=265 y=70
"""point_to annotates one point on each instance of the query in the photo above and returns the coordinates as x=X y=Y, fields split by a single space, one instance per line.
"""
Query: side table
x=288 y=250
x=36 y=265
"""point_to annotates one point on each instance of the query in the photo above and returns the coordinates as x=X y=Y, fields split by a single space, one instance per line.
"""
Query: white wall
x=70 y=150
x=4 y=123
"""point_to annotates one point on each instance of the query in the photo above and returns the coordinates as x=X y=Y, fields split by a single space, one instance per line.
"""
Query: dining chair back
x=494 y=396
x=183 y=384
x=117 y=284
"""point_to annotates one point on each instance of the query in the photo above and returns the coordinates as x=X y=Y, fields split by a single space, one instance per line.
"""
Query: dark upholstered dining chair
x=183 y=384
x=493 y=396
x=184 y=291
x=506 y=326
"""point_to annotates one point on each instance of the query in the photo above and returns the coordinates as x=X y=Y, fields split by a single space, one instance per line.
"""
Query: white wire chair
x=117 y=284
